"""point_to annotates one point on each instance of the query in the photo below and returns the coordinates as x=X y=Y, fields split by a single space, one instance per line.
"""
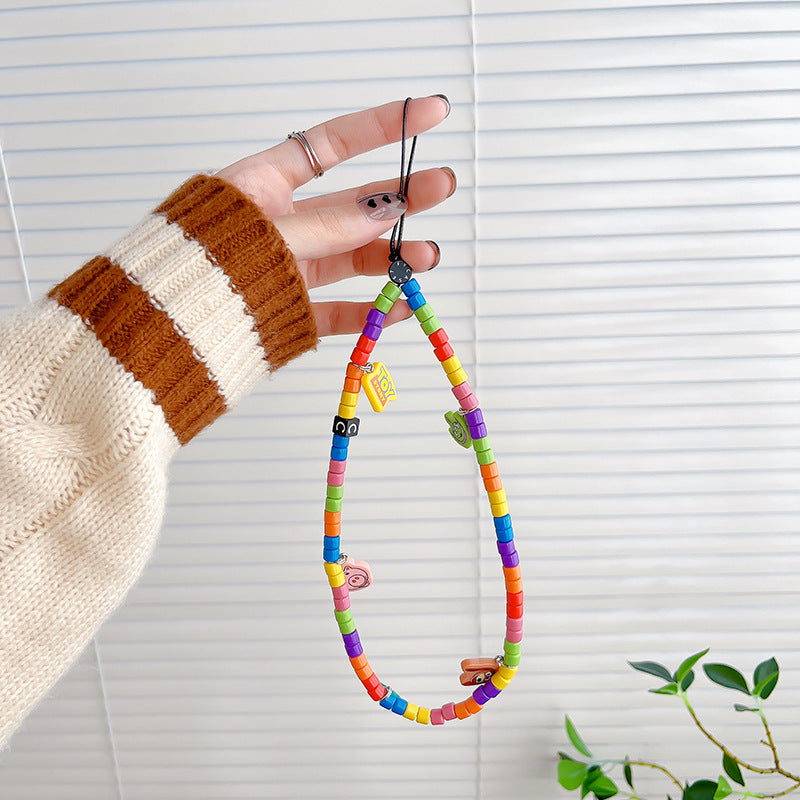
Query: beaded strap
x=490 y=676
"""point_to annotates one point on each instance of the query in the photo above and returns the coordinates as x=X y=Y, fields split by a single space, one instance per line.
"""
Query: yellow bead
x=423 y=715
x=495 y=498
x=349 y=398
x=506 y=672
x=335 y=574
x=411 y=711
x=451 y=364
x=499 y=509
x=457 y=377
x=499 y=681
x=347 y=412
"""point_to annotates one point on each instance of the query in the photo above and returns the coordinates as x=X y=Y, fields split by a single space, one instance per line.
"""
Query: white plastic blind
x=620 y=280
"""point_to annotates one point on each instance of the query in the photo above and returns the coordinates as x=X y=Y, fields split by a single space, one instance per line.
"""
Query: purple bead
x=354 y=650
x=474 y=417
x=490 y=689
x=372 y=331
x=480 y=695
x=478 y=431
x=511 y=560
x=506 y=548
x=351 y=639
x=375 y=317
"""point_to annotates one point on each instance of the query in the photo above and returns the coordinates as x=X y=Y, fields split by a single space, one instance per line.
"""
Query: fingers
x=371 y=259
x=344 y=317
x=321 y=231
x=341 y=138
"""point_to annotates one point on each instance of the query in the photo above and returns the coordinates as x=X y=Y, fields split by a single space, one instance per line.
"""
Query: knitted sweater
x=100 y=383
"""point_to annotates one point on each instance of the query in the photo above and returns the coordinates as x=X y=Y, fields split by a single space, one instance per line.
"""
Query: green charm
x=458 y=428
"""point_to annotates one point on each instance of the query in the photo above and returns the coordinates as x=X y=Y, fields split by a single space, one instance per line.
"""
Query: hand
x=329 y=235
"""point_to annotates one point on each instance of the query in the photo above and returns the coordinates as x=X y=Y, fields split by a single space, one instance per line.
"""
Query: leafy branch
x=592 y=775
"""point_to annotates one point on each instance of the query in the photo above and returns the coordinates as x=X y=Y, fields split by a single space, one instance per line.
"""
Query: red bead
x=372 y=682
x=359 y=356
x=378 y=693
x=444 y=352
x=438 y=338
x=365 y=343
x=514 y=605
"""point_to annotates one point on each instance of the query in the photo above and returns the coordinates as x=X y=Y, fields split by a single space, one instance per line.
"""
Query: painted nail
x=381 y=206
x=444 y=97
x=438 y=254
x=453 y=178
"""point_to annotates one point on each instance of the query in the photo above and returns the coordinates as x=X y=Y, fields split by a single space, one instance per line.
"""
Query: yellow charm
x=378 y=386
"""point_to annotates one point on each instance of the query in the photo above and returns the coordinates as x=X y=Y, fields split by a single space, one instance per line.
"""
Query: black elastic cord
x=396 y=240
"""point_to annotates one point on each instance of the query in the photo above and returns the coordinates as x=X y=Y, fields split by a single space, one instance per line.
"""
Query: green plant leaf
x=652 y=668
x=576 y=740
x=670 y=688
x=732 y=769
x=602 y=786
x=700 y=790
x=724 y=675
x=765 y=678
x=687 y=680
x=684 y=668
x=626 y=769
x=740 y=707
x=591 y=774
x=723 y=789
x=571 y=773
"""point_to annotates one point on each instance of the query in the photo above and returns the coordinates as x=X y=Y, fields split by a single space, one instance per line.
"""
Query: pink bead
x=469 y=403
x=336 y=466
x=335 y=478
x=436 y=716
x=449 y=711
x=514 y=624
x=462 y=390
x=513 y=636
x=341 y=597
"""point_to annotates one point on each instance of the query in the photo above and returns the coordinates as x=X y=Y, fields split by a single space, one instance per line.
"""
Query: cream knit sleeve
x=100 y=384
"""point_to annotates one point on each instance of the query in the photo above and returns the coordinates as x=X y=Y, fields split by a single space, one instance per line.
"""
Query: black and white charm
x=399 y=272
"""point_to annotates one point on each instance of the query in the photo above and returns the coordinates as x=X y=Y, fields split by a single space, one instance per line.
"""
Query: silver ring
x=300 y=136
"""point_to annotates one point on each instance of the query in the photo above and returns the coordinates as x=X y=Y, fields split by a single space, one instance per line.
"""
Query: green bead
x=430 y=326
x=333 y=504
x=335 y=492
x=511 y=648
x=485 y=457
x=511 y=660
x=383 y=303
x=344 y=619
x=424 y=312
x=481 y=444
x=391 y=290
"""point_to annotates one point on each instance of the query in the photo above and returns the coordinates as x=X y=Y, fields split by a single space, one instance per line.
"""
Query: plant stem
x=770 y=743
x=658 y=767
x=761 y=770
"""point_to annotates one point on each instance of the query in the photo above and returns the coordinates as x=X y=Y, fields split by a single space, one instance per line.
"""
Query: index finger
x=350 y=135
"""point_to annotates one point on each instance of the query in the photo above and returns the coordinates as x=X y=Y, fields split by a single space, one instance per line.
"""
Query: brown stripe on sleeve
x=143 y=339
x=251 y=251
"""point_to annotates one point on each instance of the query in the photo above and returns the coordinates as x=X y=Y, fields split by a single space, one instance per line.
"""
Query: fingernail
x=438 y=254
x=452 y=177
x=444 y=97
x=383 y=205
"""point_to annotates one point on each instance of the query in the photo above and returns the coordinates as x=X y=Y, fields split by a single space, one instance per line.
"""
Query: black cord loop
x=396 y=239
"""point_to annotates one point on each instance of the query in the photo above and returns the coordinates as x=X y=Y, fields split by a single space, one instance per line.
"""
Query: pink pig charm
x=357 y=574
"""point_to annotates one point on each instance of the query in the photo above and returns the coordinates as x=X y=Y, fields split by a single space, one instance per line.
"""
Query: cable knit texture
x=100 y=383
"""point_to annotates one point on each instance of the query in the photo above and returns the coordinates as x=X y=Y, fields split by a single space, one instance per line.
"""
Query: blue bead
x=502 y=523
x=410 y=287
x=416 y=301
x=339 y=453
x=388 y=700
x=330 y=550
x=340 y=441
x=400 y=706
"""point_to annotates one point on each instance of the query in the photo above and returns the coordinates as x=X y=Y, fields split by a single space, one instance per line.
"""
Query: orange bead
x=352 y=385
x=512 y=573
x=354 y=371
x=333 y=529
x=359 y=661
x=473 y=706
x=462 y=712
x=364 y=673
x=489 y=470
x=493 y=484
x=333 y=516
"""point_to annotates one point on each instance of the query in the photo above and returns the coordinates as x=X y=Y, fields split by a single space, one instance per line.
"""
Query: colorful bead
x=510 y=559
x=359 y=356
x=497 y=497
x=457 y=377
x=348 y=412
x=352 y=644
x=511 y=653
x=431 y=325
x=449 y=711
x=499 y=682
x=472 y=705
x=359 y=661
x=378 y=693
x=373 y=685
x=345 y=621
x=451 y=365
x=437 y=718
x=335 y=478
x=352 y=385
x=416 y=301
x=438 y=338
x=513 y=578
x=423 y=715
x=462 y=712
x=478 y=431
x=333 y=504
x=480 y=695
x=376 y=317
x=444 y=352
x=330 y=552
x=514 y=629
x=489 y=471
x=341 y=597
x=391 y=290
x=514 y=605
x=364 y=345
x=492 y=484
x=335 y=577
x=410 y=287
x=383 y=305
x=411 y=711
x=491 y=690
x=486 y=457
x=399 y=706
x=424 y=312
x=388 y=699
x=338 y=453
x=372 y=332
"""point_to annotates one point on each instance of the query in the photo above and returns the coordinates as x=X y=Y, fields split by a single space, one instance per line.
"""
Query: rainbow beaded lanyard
x=489 y=676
